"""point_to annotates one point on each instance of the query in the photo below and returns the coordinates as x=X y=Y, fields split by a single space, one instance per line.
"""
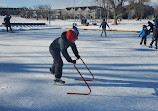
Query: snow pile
x=124 y=25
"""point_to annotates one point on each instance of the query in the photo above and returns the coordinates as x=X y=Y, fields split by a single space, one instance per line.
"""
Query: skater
x=103 y=25
x=151 y=25
x=58 y=46
x=155 y=33
x=75 y=30
x=7 y=22
x=144 y=34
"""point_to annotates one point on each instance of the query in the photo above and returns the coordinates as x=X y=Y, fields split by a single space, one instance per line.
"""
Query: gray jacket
x=61 y=44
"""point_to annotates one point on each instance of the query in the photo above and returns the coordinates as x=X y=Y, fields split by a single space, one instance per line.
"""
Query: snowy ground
x=124 y=25
x=126 y=74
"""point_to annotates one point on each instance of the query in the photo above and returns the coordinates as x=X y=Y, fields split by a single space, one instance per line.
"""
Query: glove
x=78 y=57
x=74 y=61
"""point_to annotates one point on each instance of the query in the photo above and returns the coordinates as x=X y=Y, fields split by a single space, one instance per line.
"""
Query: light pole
x=100 y=12
x=74 y=10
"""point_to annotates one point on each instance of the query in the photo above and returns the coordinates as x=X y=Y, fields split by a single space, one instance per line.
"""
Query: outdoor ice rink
x=126 y=74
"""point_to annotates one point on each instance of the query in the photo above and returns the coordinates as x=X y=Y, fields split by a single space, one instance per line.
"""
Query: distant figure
x=155 y=33
x=144 y=34
x=103 y=25
x=75 y=30
x=151 y=25
x=7 y=22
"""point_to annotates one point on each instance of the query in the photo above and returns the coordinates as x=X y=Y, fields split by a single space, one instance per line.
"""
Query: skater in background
x=75 y=30
x=144 y=34
x=103 y=25
x=151 y=25
x=7 y=22
x=155 y=33
x=60 y=45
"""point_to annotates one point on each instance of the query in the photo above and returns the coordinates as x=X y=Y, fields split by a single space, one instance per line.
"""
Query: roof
x=83 y=8
x=13 y=8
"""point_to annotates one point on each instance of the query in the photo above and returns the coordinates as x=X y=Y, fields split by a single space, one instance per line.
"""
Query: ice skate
x=57 y=80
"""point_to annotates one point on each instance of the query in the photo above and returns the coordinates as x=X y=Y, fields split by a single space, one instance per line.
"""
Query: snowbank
x=124 y=25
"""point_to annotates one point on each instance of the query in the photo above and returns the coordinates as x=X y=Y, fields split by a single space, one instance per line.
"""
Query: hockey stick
x=85 y=83
x=89 y=72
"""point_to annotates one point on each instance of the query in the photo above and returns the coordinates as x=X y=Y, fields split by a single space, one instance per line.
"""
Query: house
x=87 y=12
x=12 y=11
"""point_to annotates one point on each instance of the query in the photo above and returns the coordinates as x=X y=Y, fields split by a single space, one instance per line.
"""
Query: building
x=88 y=12
x=11 y=11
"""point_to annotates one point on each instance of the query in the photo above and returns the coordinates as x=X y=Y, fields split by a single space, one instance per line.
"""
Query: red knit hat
x=71 y=36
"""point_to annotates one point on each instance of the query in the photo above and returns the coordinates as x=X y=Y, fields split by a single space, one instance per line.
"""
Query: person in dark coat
x=60 y=45
x=151 y=25
x=155 y=33
x=7 y=22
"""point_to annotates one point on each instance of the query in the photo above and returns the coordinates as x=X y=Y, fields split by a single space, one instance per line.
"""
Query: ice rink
x=126 y=74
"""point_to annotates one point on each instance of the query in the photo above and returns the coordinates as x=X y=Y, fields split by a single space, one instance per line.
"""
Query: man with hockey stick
x=60 y=45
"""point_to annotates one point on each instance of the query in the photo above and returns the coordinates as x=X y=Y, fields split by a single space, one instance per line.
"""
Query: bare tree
x=116 y=5
x=43 y=11
x=117 y=9
x=156 y=11
x=139 y=7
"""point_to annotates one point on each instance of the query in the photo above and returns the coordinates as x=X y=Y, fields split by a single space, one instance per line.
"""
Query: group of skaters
x=61 y=44
x=145 y=32
x=68 y=38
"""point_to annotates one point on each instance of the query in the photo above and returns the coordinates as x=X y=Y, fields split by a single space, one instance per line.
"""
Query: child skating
x=60 y=45
x=103 y=25
x=144 y=34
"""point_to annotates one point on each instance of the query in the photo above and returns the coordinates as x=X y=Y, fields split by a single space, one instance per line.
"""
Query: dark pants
x=151 y=29
x=8 y=25
x=154 y=40
x=103 y=31
x=143 y=39
x=154 y=37
x=57 y=63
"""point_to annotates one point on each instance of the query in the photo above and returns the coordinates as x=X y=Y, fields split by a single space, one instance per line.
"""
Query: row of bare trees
x=116 y=9
x=121 y=7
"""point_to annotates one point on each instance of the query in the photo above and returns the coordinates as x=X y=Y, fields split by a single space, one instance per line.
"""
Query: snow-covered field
x=126 y=74
x=124 y=25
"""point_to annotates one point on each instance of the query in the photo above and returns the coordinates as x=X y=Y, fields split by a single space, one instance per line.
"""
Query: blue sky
x=55 y=4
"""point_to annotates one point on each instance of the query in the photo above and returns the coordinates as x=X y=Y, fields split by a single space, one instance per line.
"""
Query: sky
x=55 y=4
